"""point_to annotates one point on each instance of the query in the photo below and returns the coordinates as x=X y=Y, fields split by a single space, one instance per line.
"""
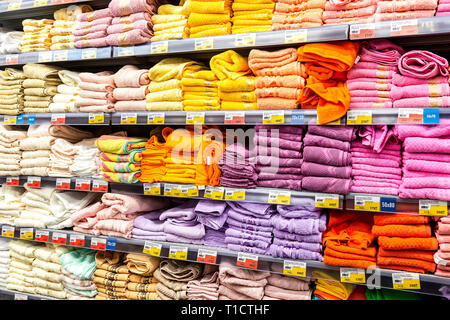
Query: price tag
x=180 y=190
x=90 y=53
x=410 y=116
x=279 y=197
x=216 y=193
x=296 y=36
x=34 y=182
x=404 y=27
x=14 y=5
x=12 y=181
x=178 y=252
x=235 y=117
x=152 y=189
x=76 y=240
x=204 y=44
x=433 y=208
x=327 y=201
x=9 y=119
x=353 y=275
x=294 y=268
x=38 y=3
x=159 y=47
x=195 y=118
x=45 y=56
x=247 y=260
x=59 y=238
x=367 y=203
x=128 y=118
x=8 y=231
x=41 y=235
x=63 y=183
x=152 y=248
x=362 y=31
x=245 y=40
x=273 y=117
x=26 y=233
x=359 y=117
x=125 y=51
x=11 y=59
x=406 y=280
x=62 y=55
x=235 y=194
x=156 y=118
x=96 y=118
x=98 y=244
x=58 y=118
x=19 y=296
x=207 y=256
x=99 y=186
x=82 y=184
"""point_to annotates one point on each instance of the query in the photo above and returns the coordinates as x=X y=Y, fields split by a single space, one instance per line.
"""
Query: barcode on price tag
x=128 y=118
x=235 y=117
x=152 y=248
x=247 y=260
x=12 y=59
x=8 y=231
x=273 y=117
x=327 y=201
x=235 y=194
x=294 y=268
x=406 y=280
x=245 y=40
x=58 y=118
x=100 y=186
x=404 y=27
x=96 y=117
x=83 y=184
x=41 y=235
x=279 y=197
x=362 y=31
x=62 y=55
x=26 y=233
x=207 y=256
x=59 y=238
x=216 y=193
x=33 y=182
x=156 y=118
x=204 y=44
x=433 y=208
x=76 y=240
x=195 y=118
x=353 y=275
x=98 y=244
x=173 y=190
x=367 y=203
x=178 y=252
x=63 y=183
x=159 y=47
x=12 y=181
x=355 y=117
x=410 y=116
x=152 y=189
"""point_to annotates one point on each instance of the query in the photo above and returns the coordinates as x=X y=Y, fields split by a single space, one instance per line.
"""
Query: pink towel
x=421 y=183
x=406 y=5
x=86 y=217
x=374 y=155
x=422 y=90
x=143 y=25
x=423 y=102
x=83 y=102
x=421 y=174
x=100 y=87
x=360 y=12
x=388 y=147
x=377 y=180
x=82 y=33
x=362 y=19
x=95 y=95
x=94 y=15
x=369 y=73
x=130 y=76
x=94 y=43
x=375 y=100
x=370 y=183
x=373 y=65
x=403 y=81
x=104 y=77
x=377 y=162
x=443 y=157
x=424 y=130
x=120 y=8
x=364 y=173
x=427 y=166
x=384 y=16
x=130 y=93
x=132 y=18
x=378 y=190
x=426 y=193
x=135 y=36
x=103 y=108
x=369 y=93
x=370 y=105
x=89 y=24
x=423 y=64
x=372 y=168
x=123 y=227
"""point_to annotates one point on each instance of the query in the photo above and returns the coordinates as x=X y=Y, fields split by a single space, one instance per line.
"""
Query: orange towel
x=397 y=243
x=325 y=296
x=410 y=254
x=333 y=261
x=345 y=255
x=382 y=219
x=402 y=268
x=359 y=293
x=368 y=252
x=413 y=263
x=399 y=230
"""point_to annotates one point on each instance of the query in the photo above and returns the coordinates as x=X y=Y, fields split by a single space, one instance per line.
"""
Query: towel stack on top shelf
x=171 y=21
x=398 y=10
x=91 y=28
x=298 y=14
x=37 y=35
x=209 y=18
x=250 y=16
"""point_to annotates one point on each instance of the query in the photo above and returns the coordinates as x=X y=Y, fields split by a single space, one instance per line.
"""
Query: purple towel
x=255 y=243
x=299 y=226
x=281 y=184
x=144 y=223
x=313 y=238
x=299 y=211
x=185 y=211
x=317 y=247
x=248 y=226
x=294 y=253
x=180 y=239
x=233 y=231
x=210 y=207
x=329 y=156
x=261 y=210
x=297 y=130
x=215 y=238
x=261 y=150
x=185 y=229
x=240 y=248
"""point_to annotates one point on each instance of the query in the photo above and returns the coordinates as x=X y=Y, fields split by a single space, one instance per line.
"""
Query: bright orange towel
x=413 y=263
x=359 y=293
x=400 y=230
x=410 y=254
x=350 y=256
x=382 y=219
x=368 y=252
x=402 y=268
x=397 y=243
x=333 y=261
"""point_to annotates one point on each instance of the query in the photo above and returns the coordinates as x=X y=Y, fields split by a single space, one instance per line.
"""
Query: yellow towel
x=247 y=29
x=252 y=6
x=169 y=68
x=169 y=25
x=229 y=64
x=238 y=96
x=331 y=285
x=156 y=86
x=239 y=84
x=187 y=82
x=210 y=7
x=167 y=95
x=199 y=19
x=232 y=105
x=163 y=18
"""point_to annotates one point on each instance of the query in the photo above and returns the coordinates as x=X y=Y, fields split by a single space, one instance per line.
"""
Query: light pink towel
x=370 y=105
x=120 y=8
x=97 y=30
x=330 y=6
x=143 y=25
x=132 y=18
x=122 y=203
x=360 y=12
x=406 y=5
x=384 y=16
x=104 y=77
x=130 y=93
x=135 y=36
x=94 y=15
x=130 y=76
x=99 y=87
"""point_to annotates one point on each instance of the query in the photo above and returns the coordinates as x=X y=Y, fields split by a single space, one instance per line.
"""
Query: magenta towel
x=376 y=162
x=421 y=183
x=275 y=133
x=268 y=169
x=427 y=145
x=365 y=173
x=381 y=51
x=370 y=183
x=396 y=171
x=120 y=8
x=427 y=166
x=364 y=131
x=135 y=36
x=422 y=65
x=380 y=180
x=442 y=157
x=320 y=141
x=423 y=90
x=342 y=133
x=320 y=170
x=425 y=193
x=423 y=102
x=368 y=154
x=329 y=156
x=325 y=184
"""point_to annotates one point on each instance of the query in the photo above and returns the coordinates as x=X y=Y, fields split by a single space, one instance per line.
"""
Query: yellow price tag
x=26 y=233
x=327 y=201
x=8 y=231
x=433 y=208
x=296 y=36
x=279 y=197
x=96 y=118
x=38 y=3
x=152 y=248
x=214 y=193
x=125 y=51
x=359 y=117
x=153 y=189
x=159 y=47
x=367 y=203
x=156 y=118
x=9 y=120
x=195 y=118
x=15 y=5
x=273 y=117
x=245 y=40
x=177 y=252
x=235 y=194
x=353 y=275
x=405 y=280
x=204 y=44
x=294 y=268
x=128 y=118
x=180 y=190
x=60 y=55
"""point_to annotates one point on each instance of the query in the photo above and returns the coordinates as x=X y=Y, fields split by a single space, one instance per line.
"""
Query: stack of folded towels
x=132 y=22
x=199 y=86
x=37 y=207
x=206 y=287
x=328 y=287
x=141 y=283
x=171 y=21
x=165 y=87
x=279 y=78
x=36 y=151
x=327 y=159
x=10 y=41
x=173 y=277
x=405 y=242
x=85 y=162
x=298 y=14
x=215 y=238
x=131 y=87
x=4 y=258
x=64 y=25
x=411 y=9
x=281 y=287
x=20 y=276
x=249 y=227
x=211 y=214
x=40 y=86
x=422 y=81
x=298 y=231
x=277 y=155
x=10 y=153
x=209 y=18
x=78 y=268
x=90 y=30
x=62 y=154
x=376 y=161
x=37 y=35
x=10 y=204
x=443 y=8
x=237 y=84
x=370 y=80
x=149 y=227
x=11 y=91
x=120 y=165
x=347 y=12
x=47 y=275
x=96 y=92
x=425 y=161
x=68 y=92
x=236 y=169
x=349 y=240
x=111 y=276
x=442 y=256
x=249 y=16
x=241 y=284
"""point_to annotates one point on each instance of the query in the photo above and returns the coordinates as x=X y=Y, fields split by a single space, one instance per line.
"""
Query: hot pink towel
x=422 y=64
x=422 y=90
x=423 y=102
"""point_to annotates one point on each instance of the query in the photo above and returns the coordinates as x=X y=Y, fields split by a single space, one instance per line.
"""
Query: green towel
x=79 y=262
x=391 y=294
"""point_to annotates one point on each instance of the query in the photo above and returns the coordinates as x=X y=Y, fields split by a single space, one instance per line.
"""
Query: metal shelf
x=6 y=294
x=75 y=118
